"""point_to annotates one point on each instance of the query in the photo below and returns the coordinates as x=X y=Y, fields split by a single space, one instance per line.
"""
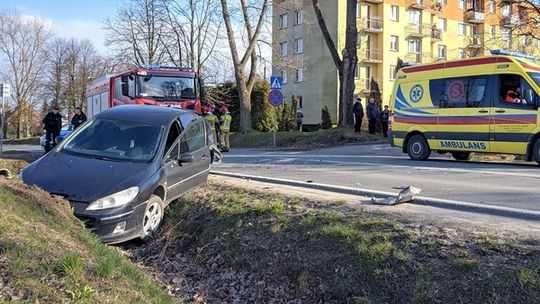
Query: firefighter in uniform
x=212 y=119
x=225 y=128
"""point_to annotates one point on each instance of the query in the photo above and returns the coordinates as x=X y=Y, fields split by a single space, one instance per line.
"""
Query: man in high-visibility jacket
x=225 y=128
x=213 y=120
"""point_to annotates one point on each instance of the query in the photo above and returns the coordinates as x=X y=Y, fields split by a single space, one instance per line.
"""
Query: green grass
x=302 y=140
x=334 y=253
x=54 y=259
x=22 y=141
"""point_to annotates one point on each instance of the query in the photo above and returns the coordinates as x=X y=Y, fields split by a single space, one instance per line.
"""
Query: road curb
x=420 y=200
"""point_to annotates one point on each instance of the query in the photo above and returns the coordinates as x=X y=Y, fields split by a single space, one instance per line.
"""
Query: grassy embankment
x=336 y=253
x=47 y=256
x=302 y=140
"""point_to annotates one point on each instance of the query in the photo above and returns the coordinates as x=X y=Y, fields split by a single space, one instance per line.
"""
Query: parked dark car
x=121 y=169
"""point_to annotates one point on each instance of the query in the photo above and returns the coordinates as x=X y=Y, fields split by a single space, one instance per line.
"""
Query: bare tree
x=245 y=85
x=346 y=65
x=54 y=73
x=192 y=32
x=22 y=41
x=137 y=31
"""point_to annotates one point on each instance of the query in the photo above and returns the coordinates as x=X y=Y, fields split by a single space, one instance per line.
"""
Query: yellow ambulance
x=485 y=104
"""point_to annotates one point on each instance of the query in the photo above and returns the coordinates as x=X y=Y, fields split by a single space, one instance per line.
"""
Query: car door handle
x=500 y=111
x=204 y=157
x=483 y=111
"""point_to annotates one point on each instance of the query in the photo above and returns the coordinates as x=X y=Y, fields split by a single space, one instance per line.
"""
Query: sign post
x=5 y=91
x=276 y=99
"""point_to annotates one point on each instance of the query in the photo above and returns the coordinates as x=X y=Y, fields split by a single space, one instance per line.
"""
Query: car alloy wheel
x=152 y=218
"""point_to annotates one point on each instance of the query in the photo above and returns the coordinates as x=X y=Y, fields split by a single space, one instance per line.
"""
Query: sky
x=82 y=19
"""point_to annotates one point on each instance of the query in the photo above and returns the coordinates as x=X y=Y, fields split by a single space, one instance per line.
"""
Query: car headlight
x=115 y=200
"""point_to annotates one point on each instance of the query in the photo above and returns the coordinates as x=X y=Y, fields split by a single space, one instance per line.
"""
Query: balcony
x=510 y=21
x=417 y=30
x=435 y=8
x=374 y=1
x=365 y=85
x=475 y=17
x=418 y=4
x=474 y=42
x=436 y=35
x=413 y=58
x=371 y=56
x=371 y=25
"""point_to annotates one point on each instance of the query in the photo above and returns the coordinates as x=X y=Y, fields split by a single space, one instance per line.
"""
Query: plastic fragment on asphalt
x=406 y=195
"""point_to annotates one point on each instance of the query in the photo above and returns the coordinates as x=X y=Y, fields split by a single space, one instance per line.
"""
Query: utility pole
x=5 y=91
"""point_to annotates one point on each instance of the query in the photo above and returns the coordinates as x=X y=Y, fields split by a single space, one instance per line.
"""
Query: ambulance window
x=460 y=92
x=516 y=92
x=476 y=95
x=455 y=92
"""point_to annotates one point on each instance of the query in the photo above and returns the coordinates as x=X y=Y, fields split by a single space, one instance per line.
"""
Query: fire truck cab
x=146 y=85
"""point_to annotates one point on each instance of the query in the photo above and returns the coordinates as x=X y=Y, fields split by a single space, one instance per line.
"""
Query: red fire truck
x=146 y=85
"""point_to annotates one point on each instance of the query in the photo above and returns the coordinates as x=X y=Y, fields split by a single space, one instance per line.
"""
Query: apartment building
x=416 y=31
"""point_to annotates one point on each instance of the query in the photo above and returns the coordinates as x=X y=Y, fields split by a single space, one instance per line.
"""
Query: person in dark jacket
x=385 y=115
x=358 y=112
x=52 y=124
x=372 y=114
x=78 y=119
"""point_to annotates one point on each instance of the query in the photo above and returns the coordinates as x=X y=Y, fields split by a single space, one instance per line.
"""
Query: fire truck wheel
x=461 y=155
x=536 y=151
x=418 y=148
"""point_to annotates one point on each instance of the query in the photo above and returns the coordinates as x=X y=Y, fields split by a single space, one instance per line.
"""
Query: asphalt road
x=383 y=168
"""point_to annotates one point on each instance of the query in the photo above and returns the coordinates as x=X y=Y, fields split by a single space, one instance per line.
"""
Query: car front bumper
x=106 y=224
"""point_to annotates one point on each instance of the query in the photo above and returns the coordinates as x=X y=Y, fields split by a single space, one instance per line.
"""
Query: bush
x=286 y=113
x=326 y=121
x=262 y=113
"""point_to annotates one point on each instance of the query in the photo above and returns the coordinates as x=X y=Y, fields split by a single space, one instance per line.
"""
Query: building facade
x=416 y=31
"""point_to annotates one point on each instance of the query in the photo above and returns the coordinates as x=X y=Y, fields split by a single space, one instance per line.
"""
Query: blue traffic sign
x=275 y=98
x=276 y=83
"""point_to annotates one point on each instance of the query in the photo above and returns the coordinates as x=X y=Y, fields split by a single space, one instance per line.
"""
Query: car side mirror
x=186 y=158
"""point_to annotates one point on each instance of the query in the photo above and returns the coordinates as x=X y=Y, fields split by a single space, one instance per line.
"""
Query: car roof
x=153 y=115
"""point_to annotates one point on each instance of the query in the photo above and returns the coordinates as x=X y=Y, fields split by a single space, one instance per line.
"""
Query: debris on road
x=406 y=195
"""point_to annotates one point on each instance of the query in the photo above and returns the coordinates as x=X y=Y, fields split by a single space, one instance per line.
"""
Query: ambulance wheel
x=536 y=151
x=461 y=155
x=418 y=148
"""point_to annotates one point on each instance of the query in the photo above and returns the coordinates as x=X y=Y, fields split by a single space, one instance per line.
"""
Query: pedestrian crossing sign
x=276 y=83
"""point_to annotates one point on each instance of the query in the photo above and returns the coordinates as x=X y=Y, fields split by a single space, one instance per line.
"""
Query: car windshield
x=536 y=78
x=116 y=140
x=166 y=87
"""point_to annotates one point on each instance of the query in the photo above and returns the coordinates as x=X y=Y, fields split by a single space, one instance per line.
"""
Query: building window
x=442 y=2
x=283 y=22
x=441 y=24
x=461 y=53
x=357 y=72
x=441 y=52
x=506 y=9
x=492 y=6
x=506 y=34
x=358 y=10
x=299 y=45
x=299 y=75
x=284 y=76
x=394 y=43
x=492 y=31
x=461 y=4
x=414 y=17
x=414 y=46
x=299 y=17
x=538 y=43
x=392 y=72
x=394 y=13
x=284 y=48
x=462 y=29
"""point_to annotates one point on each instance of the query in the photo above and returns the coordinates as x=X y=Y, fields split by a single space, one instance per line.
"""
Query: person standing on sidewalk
x=358 y=112
x=385 y=115
x=52 y=123
x=299 y=118
x=225 y=128
x=373 y=114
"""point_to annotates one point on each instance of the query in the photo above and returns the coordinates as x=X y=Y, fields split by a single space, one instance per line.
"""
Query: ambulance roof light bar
x=159 y=67
x=513 y=54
